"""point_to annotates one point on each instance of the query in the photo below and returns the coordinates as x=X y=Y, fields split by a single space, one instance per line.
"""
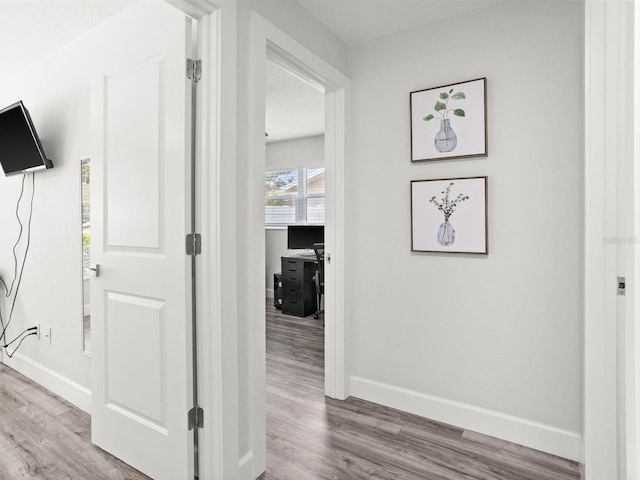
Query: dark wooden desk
x=298 y=286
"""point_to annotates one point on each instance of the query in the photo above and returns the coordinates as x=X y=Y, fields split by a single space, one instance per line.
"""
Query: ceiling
x=356 y=21
x=293 y=108
x=31 y=29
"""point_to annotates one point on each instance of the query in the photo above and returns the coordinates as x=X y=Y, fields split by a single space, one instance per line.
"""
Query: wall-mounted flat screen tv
x=20 y=148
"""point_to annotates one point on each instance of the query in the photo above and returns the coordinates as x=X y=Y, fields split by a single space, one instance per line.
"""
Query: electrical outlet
x=38 y=330
x=46 y=334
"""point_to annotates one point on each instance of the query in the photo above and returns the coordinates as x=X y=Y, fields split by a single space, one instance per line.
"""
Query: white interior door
x=141 y=370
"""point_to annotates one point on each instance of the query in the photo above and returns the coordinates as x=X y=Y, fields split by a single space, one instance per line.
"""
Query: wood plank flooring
x=311 y=437
x=44 y=437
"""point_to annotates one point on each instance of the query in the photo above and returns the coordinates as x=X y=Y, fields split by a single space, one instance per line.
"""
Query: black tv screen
x=304 y=236
x=20 y=148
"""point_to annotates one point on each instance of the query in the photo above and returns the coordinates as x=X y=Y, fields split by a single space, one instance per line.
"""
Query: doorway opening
x=294 y=225
x=269 y=44
x=294 y=204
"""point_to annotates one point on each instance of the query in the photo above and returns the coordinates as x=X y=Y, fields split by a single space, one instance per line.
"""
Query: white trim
x=217 y=328
x=336 y=111
x=269 y=293
x=628 y=208
x=488 y=422
x=245 y=468
x=256 y=257
x=265 y=37
x=609 y=362
x=62 y=386
x=194 y=8
x=216 y=269
x=291 y=64
x=633 y=275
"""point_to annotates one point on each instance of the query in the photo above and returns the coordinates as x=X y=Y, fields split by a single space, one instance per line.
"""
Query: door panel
x=127 y=319
x=141 y=360
x=134 y=118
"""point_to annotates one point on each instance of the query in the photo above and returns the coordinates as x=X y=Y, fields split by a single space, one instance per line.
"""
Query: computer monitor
x=304 y=236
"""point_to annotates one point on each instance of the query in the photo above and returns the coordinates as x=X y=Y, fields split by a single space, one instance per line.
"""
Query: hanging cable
x=11 y=354
x=17 y=280
x=8 y=291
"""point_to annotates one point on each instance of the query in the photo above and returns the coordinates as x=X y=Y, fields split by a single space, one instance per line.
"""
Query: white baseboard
x=506 y=427
x=60 y=385
x=246 y=467
x=269 y=293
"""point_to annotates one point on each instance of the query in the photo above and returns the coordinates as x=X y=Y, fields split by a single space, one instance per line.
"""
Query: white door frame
x=611 y=370
x=334 y=154
x=633 y=260
x=216 y=268
x=268 y=41
x=217 y=322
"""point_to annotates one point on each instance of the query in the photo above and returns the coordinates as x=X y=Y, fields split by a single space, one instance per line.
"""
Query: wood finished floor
x=311 y=437
x=44 y=437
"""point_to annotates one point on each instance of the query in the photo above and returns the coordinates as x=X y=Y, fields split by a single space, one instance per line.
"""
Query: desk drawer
x=292 y=269
x=294 y=308
x=292 y=294
x=292 y=284
x=298 y=288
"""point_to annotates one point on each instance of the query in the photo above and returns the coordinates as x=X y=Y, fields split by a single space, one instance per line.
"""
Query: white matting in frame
x=449 y=215
x=449 y=121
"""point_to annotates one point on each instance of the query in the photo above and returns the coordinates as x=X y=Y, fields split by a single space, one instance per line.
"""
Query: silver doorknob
x=95 y=269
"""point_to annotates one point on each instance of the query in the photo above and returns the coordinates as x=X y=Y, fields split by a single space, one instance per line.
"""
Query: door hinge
x=622 y=285
x=194 y=70
x=195 y=418
x=194 y=244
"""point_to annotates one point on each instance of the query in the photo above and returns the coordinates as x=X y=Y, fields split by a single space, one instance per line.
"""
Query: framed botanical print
x=449 y=215
x=449 y=121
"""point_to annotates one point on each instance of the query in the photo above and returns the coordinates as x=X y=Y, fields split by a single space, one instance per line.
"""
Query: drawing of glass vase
x=446 y=234
x=446 y=139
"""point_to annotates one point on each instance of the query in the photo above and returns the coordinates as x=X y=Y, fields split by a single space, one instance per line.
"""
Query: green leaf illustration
x=458 y=96
x=458 y=112
x=440 y=106
x=428 y=117
x=444 y=95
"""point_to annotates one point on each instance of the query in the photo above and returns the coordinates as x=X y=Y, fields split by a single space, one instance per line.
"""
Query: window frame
x=299 y=198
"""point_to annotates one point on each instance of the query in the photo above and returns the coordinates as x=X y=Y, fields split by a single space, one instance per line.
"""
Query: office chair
x=319 y=277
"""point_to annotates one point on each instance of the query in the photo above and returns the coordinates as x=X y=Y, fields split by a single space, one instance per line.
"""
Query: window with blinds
x=294 y=196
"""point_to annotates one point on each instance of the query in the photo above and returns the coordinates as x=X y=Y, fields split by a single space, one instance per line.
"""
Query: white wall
x=500 y=334
x=491 y=342
x=56 y=90
x=301 y=152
